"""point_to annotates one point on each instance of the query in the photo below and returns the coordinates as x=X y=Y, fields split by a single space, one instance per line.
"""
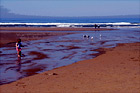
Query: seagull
x=92 y=37
x=87 y=36
x=100 y=36
x=84 y=36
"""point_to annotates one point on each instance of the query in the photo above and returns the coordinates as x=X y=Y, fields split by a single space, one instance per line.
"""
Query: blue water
x=72 y=20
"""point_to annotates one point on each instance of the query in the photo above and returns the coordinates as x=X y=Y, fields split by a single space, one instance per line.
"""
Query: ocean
x=71 y=22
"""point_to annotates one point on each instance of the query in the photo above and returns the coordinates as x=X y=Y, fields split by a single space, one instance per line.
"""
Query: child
x=18 y=47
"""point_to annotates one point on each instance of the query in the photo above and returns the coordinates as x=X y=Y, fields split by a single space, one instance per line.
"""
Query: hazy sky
x=72 y=7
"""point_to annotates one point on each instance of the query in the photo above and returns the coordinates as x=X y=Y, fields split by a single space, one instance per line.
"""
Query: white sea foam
x=71 y=24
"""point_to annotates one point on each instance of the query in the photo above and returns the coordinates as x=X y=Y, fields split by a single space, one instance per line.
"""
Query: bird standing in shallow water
x=100 y=36
x=92 y=37
x=86 y=36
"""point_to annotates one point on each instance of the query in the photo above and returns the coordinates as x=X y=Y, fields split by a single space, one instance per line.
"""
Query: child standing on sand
x=18 y=47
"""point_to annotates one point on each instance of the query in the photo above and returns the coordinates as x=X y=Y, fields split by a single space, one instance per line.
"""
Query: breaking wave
x=117 y=24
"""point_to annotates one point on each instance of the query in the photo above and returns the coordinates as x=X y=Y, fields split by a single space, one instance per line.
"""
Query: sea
x=71 y=22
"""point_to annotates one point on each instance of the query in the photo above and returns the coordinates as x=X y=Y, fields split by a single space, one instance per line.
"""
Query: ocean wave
x=117 y=24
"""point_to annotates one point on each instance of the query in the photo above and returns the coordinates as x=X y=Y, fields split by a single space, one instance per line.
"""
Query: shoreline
x=116 y=70
x=8 y=38
x=53 y=29
x=9 y=35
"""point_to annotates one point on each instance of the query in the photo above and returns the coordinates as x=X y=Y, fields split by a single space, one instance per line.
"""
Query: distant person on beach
x=95 y=26
x=18 y=47
x=98 y=26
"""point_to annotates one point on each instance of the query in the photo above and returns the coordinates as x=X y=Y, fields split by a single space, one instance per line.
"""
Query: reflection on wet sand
x=18 y=75
x=38 y=55
x=17 y=67
x=19 y=64
x=31 y=70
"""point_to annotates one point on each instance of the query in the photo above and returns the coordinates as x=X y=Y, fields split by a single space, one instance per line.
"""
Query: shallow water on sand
x=47 y=54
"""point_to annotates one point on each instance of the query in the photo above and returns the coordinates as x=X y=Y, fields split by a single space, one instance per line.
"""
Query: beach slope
x=115 y=71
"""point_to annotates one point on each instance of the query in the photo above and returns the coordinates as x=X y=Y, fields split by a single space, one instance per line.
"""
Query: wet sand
x=52 y=29
x=117 y=70
x=9 y=38
x=9 y=35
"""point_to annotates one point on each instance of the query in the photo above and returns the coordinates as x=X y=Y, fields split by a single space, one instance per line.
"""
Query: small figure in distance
x=92 y=37
x=18 y=47
x=95 y=26
x=84 y=36
x=87 y=36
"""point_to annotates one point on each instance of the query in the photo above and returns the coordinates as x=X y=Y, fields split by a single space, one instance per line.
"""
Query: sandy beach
x=53 y=29
x=9 y=35
x=114 y=70
x=69 y=46
x=8 y=38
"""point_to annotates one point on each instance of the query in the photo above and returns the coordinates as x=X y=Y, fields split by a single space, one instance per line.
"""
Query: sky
x=71 y=7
